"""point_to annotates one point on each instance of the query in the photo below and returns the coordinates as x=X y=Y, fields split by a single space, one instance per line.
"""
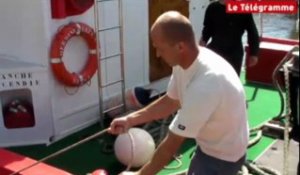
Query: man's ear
x=180 y=46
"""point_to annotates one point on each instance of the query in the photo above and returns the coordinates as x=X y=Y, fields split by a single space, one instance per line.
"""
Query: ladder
x=103 y=58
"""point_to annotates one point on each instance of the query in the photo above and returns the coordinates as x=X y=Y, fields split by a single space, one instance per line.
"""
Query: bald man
x=209 y=100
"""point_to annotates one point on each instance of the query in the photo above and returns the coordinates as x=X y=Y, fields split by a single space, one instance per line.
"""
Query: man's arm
x=253 y=41
x=158 y=109
x=253 y=37
x=163 y=154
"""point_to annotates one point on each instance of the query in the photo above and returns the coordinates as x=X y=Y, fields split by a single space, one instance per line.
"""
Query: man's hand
x=119 y=125
x=252 y=61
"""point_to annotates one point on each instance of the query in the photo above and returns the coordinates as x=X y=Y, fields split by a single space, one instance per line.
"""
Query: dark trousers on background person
x=233 y=56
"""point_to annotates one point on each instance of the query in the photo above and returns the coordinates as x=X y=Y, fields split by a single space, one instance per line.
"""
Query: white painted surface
x=26 y=33
x=197 y=10
x=31 y=86
x=276 y=46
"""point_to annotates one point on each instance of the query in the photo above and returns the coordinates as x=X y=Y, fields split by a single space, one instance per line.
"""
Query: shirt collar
x=192 y=69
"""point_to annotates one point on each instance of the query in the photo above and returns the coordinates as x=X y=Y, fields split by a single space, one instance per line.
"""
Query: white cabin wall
x=23 y=32
x=23 y=49
x=136 y=42
x=110 y=45
x=197 y=10
x=73 y=112
x=27 y=30
x=73 y=108
x=136 y=55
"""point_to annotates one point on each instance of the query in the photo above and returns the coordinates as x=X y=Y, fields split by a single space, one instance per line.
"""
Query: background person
x=226 y=31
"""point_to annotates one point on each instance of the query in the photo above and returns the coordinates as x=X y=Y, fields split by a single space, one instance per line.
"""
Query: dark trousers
x=203 y=164
x=234 y=58
x=235 y=61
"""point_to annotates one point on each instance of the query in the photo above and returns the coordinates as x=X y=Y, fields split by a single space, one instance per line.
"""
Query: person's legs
x=236 y=61
x=233 y=57
x=203 y=164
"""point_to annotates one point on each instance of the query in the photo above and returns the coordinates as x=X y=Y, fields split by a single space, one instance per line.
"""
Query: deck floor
x=273 y=157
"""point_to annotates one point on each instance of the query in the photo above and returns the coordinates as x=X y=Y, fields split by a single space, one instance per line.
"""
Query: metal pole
x=122 y=54
x=96 y=15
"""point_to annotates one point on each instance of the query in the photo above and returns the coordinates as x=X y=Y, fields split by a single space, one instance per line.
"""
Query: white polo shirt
x=213 y=109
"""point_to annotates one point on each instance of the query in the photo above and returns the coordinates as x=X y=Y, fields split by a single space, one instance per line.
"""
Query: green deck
x=263 y=106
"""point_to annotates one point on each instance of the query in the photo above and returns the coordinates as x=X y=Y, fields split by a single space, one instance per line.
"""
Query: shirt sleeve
x=199 y=103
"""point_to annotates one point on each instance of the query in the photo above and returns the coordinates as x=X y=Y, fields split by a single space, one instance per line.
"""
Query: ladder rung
x=110 y=56
x=113 y=108
x=109 y=28
x=112 y=83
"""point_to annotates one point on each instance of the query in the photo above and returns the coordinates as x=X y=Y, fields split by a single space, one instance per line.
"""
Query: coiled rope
x=263 y=170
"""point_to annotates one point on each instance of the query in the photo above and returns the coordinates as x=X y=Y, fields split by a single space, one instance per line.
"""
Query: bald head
x=174 y=27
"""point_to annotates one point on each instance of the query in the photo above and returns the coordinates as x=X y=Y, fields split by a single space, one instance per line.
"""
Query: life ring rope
x=60 y=40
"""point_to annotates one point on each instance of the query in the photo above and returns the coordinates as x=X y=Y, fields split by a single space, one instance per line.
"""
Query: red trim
x=58 y=9
x=268 y=59
x=11 y=162
x=280 y=41
x=80 y=5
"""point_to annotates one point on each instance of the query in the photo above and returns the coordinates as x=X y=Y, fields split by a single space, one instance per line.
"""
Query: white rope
x=68 y=90
x=179 y=163
x=258 y=170
x=287 y=120
x=132 y=147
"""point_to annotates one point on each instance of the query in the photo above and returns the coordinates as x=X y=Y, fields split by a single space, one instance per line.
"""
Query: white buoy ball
x=134 y=148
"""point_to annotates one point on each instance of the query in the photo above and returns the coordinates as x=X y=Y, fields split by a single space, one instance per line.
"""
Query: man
x=226 y=31
x=208 y=97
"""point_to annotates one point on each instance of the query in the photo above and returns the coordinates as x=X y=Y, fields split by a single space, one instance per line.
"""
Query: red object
x=272 y=51
x=56 y=54
x=64 y=8
x=100 y=172
x=18 y=114
x=11 y=162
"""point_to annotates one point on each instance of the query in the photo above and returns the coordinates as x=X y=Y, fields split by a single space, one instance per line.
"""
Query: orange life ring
x=57 y=50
